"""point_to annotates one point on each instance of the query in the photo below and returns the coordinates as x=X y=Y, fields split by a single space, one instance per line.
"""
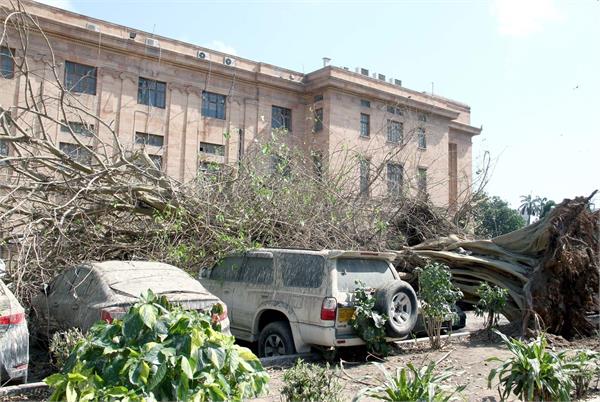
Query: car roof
x=329 y=253
x=134 y=277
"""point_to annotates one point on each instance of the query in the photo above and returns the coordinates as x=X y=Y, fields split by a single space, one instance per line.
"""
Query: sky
x=529 y=69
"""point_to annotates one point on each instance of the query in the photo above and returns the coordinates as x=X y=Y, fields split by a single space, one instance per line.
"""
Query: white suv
x=289 y=300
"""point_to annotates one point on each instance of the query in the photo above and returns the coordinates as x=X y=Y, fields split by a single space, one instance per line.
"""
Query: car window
x=257 y=270
x=85 y=283
x=373 y=273
x=227 y=269
x=302 y=270
x=61 y=285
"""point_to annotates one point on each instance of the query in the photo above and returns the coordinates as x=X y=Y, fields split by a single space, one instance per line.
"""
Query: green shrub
x=438 y=296
x=369 y=324
x=62 y=344
x=412 y=384
x=158 y=352
x=583 y=367
x=492 y=299
x=310 y=383
x=532 y=373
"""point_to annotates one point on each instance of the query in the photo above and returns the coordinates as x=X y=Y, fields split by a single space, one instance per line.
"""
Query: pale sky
x=530 y=69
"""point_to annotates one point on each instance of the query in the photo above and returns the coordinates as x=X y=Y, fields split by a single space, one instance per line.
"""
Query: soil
x=466 y=356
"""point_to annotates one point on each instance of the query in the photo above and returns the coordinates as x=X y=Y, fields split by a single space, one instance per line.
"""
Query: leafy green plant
x=158 y=352
x=412 y=384
x=583 y=367
x=492 y=299
x=532 y=373
x=62 y=344
x=369 y=324
x=438 y=296
x=306 y=382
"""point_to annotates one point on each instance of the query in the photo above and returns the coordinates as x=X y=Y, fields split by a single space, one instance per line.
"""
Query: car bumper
x=330 y=337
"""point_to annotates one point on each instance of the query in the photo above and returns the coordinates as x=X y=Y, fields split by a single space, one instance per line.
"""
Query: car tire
x=398 y=301
x=276 y=340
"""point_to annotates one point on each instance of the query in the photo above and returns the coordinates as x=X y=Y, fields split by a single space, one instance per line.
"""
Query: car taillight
x=106 y=316
x=111 y=314
x=328 y=309
x=12 y=319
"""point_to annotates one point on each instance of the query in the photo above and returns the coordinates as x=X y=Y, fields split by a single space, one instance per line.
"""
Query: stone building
x=188 y=105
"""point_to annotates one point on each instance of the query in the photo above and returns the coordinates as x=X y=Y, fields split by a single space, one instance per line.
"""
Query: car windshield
x=373 y=273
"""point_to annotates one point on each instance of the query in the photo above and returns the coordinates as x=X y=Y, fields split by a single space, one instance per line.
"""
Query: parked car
x=14 y=338
x=290 y=300
x=86 y=293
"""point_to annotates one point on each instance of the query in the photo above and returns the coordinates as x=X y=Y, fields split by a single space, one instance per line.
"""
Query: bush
x=158 y=352
x=412 y=384
x=532 y=373
x=492 y=299
x=438 y=296
x=583 y=367
x=62 y=344
x=368 y=324
x=310 y=383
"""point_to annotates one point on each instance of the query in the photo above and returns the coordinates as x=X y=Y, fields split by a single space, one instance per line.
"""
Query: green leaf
x=148 y=314
x=71 y=393
x=216 y=356
x=186 y=368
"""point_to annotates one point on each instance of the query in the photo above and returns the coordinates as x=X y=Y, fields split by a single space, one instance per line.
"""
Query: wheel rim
x=400 y=309
x=274 y=346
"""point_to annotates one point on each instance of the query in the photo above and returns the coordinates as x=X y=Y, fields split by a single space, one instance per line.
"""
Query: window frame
x=78 y=81
x=391 y=126
x=214 y=105
x=4 y=148
x=152 y=93
x=286 y=118
x=365 y=103
x=421 y=138
x=206 y=146
x=395 y=188
x=422 y=180
x=149 y=136
x=80 y=128
x=364 y=166
x=365 y=125
x=7 y=53
x=78 y=152
x=318 y=120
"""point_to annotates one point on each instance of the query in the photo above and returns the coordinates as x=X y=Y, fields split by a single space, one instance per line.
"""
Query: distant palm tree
x=528 y=206
x=544 y=206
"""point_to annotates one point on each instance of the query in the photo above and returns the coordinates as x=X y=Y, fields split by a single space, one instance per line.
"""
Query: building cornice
x=465 y=128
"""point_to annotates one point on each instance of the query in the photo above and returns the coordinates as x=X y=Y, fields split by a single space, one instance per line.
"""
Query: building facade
x=189 y=106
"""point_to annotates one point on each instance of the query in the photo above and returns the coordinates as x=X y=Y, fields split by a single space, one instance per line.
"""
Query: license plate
x=345 y=314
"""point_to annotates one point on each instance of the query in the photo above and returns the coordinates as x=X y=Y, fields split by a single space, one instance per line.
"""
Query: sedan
x=86 y=293
x=14 y=339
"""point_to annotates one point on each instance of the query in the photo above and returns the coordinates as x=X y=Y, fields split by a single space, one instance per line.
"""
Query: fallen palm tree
x=550 y=268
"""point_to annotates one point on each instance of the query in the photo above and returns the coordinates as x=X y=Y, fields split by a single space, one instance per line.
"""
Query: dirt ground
x=466 y=356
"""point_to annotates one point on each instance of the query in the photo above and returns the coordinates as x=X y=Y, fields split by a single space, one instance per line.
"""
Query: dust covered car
x=291 y=300
x=14 y=338
x=86 y=293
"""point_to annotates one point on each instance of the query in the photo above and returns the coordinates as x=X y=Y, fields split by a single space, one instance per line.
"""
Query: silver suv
x=290 y=300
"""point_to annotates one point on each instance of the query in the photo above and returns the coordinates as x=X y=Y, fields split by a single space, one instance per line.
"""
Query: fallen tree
x=550 y=268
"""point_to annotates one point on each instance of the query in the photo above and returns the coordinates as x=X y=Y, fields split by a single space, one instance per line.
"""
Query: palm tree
x=528 y=206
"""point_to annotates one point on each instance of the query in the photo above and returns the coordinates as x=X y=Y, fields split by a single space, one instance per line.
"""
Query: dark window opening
x=395 y=172
x=281 y=118
x=422 y=180
x=76 y=152
x=84 y=129
x=213 y=149
x=80 y=78
x=149 y=139
x=395 y=131
x=364 y=166
x=421 y=138
x=213 y=105
x=7 y=63
x=365 y=125
x=152 y=92
x=318 y=116
x=365 y=103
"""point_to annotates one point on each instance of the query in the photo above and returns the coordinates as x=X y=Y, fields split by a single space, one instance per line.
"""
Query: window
x=395 y=131
x=317 y=158
x=76 y=152
x=5 y=119
x=7 y=64
x=318 y=116
x=209 y=168
x=149 y=139
x=422 y=117
x=157 y=160
x=395 y=172
x=281 y=118
x=257 y=270
x=318 y=98
x=365 y=103
x=213 y=149
x=365 y=125
x=394 y=110
x=421 y=138
x=80 y=78
x=302 y=270
x=373 y=273
x=3 y=148
x=227 y=270
x=213 y=105
x=364 y=166
x=422 y=180
x=84 y=129
x=152 y=93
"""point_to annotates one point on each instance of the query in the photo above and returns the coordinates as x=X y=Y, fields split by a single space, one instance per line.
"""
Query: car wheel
x=276 y=340
x=398 y=301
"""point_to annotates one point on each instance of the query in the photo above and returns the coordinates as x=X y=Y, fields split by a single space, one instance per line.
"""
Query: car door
x=222 y=279
x=60 y=302
x=256 y=288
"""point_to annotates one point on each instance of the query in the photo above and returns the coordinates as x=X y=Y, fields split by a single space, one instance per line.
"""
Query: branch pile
x=550 y=268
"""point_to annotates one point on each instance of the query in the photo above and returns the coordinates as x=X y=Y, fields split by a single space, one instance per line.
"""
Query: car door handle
x=226 y=291
x=264 y=296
